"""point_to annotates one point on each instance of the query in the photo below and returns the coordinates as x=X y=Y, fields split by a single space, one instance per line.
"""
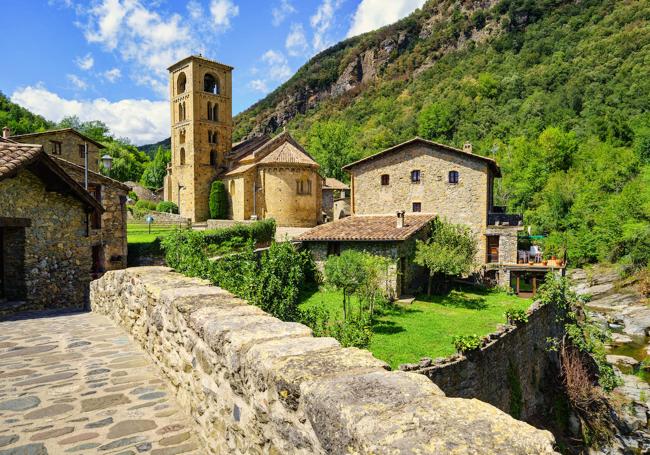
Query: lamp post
x=107 y=162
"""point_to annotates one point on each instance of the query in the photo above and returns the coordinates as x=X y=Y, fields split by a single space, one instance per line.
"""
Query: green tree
x=218 y=201
x=436 y=121
x=331 y=144
x=450 y=251
x=348 y=274
x=128 y=162
x=154 y=173
x=94 y=129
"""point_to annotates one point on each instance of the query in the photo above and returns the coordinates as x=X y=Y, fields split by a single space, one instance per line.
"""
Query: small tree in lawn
x=218 y=201
x=450 y=251
x=347 y=273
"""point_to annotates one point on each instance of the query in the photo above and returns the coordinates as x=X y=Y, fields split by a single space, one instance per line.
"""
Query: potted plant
x=467 y=344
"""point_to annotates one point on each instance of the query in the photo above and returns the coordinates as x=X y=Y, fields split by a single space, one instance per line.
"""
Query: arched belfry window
x=182 y=156
x=180 y=83
x=213 y=111
x=181 y=111
x=210 y=84
x=181 y=137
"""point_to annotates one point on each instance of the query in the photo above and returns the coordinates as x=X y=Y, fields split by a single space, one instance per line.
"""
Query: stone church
x=264 y=177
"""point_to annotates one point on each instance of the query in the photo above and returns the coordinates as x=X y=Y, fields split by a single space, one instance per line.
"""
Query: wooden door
x=493 y=248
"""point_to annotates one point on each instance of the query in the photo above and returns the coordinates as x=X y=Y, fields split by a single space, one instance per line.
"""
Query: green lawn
x=405 y=333
x=139 y=233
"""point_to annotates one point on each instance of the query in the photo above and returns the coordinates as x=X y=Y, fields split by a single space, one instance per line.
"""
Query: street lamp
x=107 y=162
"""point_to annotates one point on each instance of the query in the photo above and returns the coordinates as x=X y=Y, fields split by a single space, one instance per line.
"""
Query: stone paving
x=76 y=383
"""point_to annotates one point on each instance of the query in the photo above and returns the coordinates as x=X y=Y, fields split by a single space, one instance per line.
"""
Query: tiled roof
x=334 y=184
x=367 y=228
x=13 y=156
x=288 y=153
x=95 y=175
x=493 y=164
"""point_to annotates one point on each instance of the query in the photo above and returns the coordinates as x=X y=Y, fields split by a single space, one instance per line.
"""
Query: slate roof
x=491 y=163
x=23 y=137
x=95 y=175
x=16 y=156
x=334 y=184
x=367 y=228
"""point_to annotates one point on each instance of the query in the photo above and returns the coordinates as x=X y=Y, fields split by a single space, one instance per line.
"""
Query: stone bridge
x=199 y=371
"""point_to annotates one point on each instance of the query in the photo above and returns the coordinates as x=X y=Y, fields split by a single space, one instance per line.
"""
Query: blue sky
x=107 y=59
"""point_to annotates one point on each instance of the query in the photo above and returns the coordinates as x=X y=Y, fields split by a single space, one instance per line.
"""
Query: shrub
x=146 y=205
x=218 y=200
x=133 y=196
x=184 y=252
x=467 y=343
x=355 y=333
x=260 y=231
x=515 y=316
x=167 y=207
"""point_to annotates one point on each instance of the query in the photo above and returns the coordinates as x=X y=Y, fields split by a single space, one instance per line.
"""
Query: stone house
x=264 y=177
x=390 y=236
x=68 y=144
x=108 y=236
x=333 y=190
x=421 y=176
x=45 y=231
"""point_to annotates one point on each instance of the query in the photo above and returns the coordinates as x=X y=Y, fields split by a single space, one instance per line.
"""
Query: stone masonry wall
x=255 y=384
x=57 y=252
x=515 y=357
x=70 y=143
x=465 y=202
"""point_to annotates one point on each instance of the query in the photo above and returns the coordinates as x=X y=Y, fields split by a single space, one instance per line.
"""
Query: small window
x=82 y=151
x=417 y=207
x=453 y=176
x=385 y=179
x=303 y=186
x=182 y=156
x=213 y=158
x=56 y=147
x=415 y=176
x=209 y=111
x=181 y=111
x=181 y=137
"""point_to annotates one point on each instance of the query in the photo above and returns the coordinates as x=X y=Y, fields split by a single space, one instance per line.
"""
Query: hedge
x=259 y=231
x=144 y=204
x=167 y=207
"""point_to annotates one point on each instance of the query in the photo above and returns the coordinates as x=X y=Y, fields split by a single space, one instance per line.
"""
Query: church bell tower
x=201 y=132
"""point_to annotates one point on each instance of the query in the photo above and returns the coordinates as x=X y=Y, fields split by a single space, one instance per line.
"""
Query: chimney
x=6 y=132
x=400 y=219
x=467 y=147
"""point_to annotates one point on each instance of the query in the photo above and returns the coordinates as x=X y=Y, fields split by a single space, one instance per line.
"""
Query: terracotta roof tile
x=288 y=153
x=367 y=228
x=13 y=156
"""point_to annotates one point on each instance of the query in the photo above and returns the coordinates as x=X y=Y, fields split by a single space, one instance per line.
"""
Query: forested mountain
x=557 y=91
x=20 y=120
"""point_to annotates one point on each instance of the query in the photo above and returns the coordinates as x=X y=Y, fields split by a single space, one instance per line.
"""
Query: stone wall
x=465 y=202
x=112 y=234
x=341 y=208
x=513 y=372
x=57 y=258
x=255 y=384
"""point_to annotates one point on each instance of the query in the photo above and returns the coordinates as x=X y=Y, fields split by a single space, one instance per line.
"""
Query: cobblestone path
x=77 y=384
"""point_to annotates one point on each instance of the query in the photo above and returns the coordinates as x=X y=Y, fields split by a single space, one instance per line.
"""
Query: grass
x=139 y=233
x=406 y=333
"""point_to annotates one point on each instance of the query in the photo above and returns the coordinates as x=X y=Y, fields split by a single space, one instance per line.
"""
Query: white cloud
x=322 y=21
x=77 y=82
x=259 y=85
x=143 y=121
x=278 y=67
x=296 y=42
x=112 y=75
x=373 y=14
x=86 y=62
x=222 y=11
x=280 y=12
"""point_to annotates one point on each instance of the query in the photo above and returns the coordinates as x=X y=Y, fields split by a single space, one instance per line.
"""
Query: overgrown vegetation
x=166 y=206
x=555 y=96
